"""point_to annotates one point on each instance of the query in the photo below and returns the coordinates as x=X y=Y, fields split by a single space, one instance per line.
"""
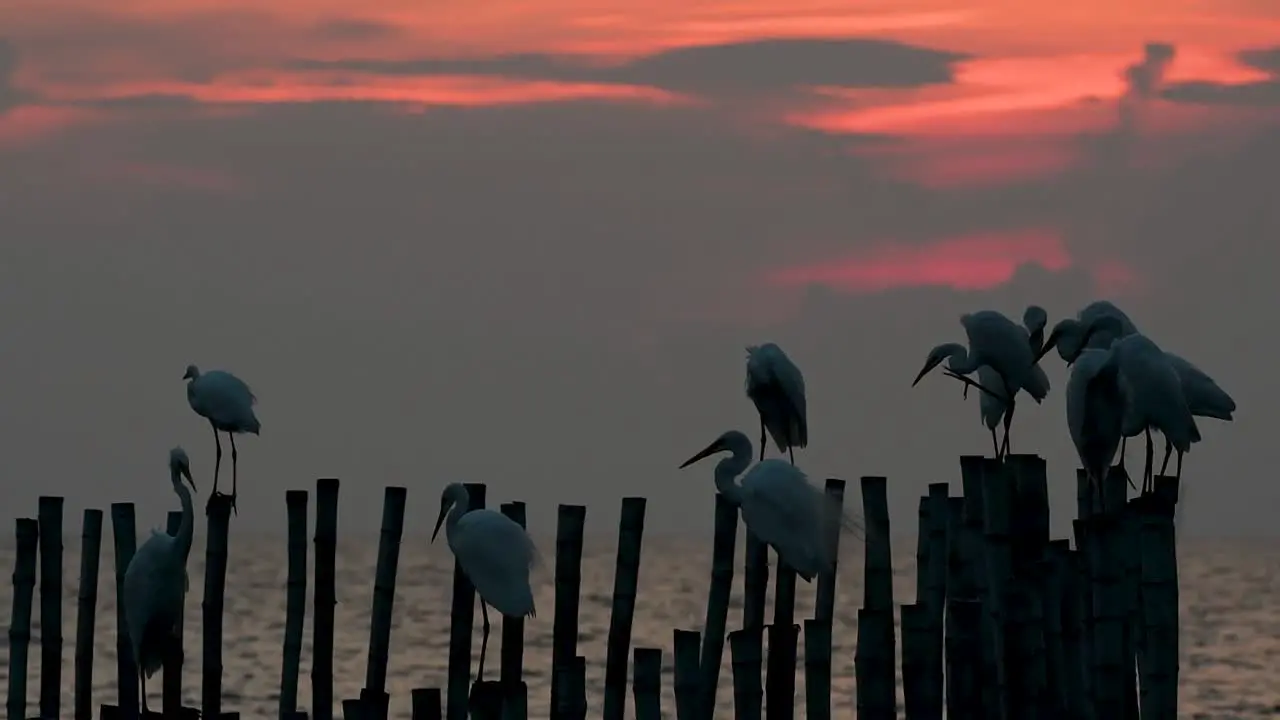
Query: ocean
x=1229 y=596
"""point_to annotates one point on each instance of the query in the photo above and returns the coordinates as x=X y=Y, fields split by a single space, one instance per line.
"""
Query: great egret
x=495 y=553
x=776 y=387
x=1095 y=412
x=1034 y=319
x=155 y=584
x=1203 y=396
x=1152 y=390
x=778 y=504
x=227 y=403
x=991 y=406
x=997 y=342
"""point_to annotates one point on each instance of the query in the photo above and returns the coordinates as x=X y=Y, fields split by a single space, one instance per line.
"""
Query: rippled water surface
x=1230 y=622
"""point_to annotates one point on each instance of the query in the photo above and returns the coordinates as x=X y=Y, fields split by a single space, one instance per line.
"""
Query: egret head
x=732 y=441
x=180 y=466
x=1035 y=318
x=454 y=494
x=936 y=356
x=1063 y=337
x=192 y=373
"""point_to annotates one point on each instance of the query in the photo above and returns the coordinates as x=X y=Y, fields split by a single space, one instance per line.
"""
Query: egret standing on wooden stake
x=1001 y=344
x=1096 y=407
x=1152 y=391
x=227 y=403
x=155 y=584
x=991 y=406
x=1203 y=396
x=495 y=553
x=778 y=504
x=776 y=387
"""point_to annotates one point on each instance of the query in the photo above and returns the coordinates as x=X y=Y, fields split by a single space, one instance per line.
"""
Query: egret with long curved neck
x=778 y=504
x=155 y=584
x=495 y=553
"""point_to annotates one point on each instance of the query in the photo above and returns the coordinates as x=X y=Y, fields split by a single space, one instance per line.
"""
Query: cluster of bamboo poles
x=1007 y=624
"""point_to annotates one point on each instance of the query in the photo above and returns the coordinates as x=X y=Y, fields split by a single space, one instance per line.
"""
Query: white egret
x=227 y=403
x=991 y=406
x=1095 y=412
x=778 y=504
x=1203 y=396
x=776 y=387
x=1152 y=391
x=997 y=342
x=155 y=584
x=495 y=553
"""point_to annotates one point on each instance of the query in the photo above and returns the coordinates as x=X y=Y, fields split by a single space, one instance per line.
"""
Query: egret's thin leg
x=142 y=677
x=1151 y=464
x=217 y=460
x=1168 y=450
x=1008 y=420
x=763 y=439
x=995 y=444
x=791 y=453
x=484 y=642
x=233 y=473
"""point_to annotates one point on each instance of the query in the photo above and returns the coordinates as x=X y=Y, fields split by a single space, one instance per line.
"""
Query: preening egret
x=495 y=553
x=227 y=403
x=155 y=584
x=997 y=342
x=991 y=406
x=1152 y=391
x=1034 y=319
x=1095 y=412
x=1203 y=396
x=778 y=504
x=776 y=387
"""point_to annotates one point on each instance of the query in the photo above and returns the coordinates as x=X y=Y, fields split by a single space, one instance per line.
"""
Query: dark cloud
x=740 y=68
x=1266 y=92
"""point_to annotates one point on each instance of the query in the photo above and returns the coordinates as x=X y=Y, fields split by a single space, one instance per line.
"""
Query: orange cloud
x=969 y=262
x=295 y=87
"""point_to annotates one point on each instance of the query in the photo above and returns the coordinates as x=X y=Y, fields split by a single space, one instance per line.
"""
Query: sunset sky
x=526 y=242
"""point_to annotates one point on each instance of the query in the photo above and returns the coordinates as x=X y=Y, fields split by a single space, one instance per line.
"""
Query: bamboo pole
x=296 y=599
x=87 y=611
x=50 y=520
x=646 y=683
x=685 y=644
x=626 y=581
x=215 y=578
x=722 y=556
x=125 y=537
x=461 y=622
x=324 y=598
x=746 y=652
x=515 y=694
x=27 y=533
x=570 y=525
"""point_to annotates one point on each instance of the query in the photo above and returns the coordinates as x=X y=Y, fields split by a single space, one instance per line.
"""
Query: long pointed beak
x=444 y=510
x=1050 y=343
x=709 y=450
x=187 y=474
x=931 y=364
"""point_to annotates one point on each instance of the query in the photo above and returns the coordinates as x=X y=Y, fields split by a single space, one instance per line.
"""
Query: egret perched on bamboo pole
x=227 y=403
x=496 y=554
x=155 y=584
x=1203 y=396
x=1096 y=408
x=776 y=387
x=1004 y=346
x=1152 y=391
x=779 y=505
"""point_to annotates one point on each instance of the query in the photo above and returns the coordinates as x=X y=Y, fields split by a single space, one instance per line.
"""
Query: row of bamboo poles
x=1006 y=625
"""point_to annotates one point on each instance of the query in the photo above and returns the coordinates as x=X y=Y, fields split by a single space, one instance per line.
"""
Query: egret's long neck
x=727 y=472
x=460 y=508
x=187 y=526
x=961 y=362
